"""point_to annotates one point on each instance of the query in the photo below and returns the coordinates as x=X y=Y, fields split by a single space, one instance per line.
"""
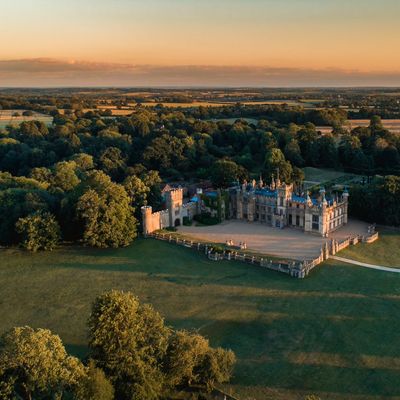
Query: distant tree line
x=85 y=178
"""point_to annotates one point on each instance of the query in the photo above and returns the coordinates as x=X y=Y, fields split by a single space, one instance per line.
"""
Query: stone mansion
x=275 y=205
x=278 y=206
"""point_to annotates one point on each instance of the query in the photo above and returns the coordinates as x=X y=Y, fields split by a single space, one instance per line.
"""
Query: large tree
x=224 y=172
x=94 y=385
x=105 y=212
x=34 y=364
x=129 y=340
x=186 y=352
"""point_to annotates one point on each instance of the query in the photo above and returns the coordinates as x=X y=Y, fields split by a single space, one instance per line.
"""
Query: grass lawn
x=385 y=251
x=321 y=175
x=336 y=333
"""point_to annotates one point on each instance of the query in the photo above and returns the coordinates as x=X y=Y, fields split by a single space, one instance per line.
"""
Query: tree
x=112 y=162
x=128 y=341
x=65 y=176
x=185 y=353
x=94 y=385
x=274 y=161
x=293 y=153
x=39 y=231
x=224 y=172
x=137 y=191
x=105 y=212
x=34 y=363
x=328 y=154
x=83 y=161
x=216 y=367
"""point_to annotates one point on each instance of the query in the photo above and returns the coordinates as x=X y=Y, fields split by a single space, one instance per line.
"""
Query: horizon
x=224 y=43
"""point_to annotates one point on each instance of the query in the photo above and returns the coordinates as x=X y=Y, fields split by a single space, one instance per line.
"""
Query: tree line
x=84 y=178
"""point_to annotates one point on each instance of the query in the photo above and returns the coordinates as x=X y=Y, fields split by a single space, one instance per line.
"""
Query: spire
x=322 y=193
x=278 y=181
x=309 y=201
x=260 y=182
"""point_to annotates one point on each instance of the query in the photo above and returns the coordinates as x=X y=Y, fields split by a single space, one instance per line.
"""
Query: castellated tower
x=174 y=203
x=147 y=219
x=284 y=194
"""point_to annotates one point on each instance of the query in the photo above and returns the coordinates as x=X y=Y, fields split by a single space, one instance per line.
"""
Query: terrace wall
x=296 y=269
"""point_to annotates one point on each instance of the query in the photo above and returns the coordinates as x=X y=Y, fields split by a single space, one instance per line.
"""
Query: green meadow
x=335 y=334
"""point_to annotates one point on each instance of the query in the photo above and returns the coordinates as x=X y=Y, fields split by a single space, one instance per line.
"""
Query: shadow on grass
x=77 y=350
x=309 y=355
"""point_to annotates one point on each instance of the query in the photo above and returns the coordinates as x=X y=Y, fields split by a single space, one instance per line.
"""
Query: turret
x=147 y=220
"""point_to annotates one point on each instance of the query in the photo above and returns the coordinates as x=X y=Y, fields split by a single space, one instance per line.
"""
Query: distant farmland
x=392 y=125
x=7 y=118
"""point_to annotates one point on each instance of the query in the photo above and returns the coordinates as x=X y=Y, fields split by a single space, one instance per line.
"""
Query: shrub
x=206 y=219
x=187 y=221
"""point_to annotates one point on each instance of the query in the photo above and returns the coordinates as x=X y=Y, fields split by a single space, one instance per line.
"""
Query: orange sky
x=350 y=36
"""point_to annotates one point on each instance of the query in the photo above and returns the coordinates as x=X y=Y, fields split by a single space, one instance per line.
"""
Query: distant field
x=321 y=175
x=6 y=118
x=232 y=120
x=228 y=103
x=333 y=334
x=392 y=125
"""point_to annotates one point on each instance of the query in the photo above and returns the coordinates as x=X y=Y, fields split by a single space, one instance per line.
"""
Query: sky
x=272 y=43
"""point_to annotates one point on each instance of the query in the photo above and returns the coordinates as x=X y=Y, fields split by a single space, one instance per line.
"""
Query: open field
x=232 y=120
x=6 y=118
x=328 y=177
x=384 y=252
x=291 y=103
x=286 y=243
x=334 y=334
x=392 y=125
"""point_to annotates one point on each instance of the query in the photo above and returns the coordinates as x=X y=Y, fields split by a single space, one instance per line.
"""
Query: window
x=315 y=222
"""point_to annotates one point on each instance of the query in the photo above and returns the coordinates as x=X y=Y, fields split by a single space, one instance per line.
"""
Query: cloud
x=52 y=72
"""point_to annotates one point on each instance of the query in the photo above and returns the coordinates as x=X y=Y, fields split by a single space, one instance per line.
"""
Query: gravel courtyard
x=288 y=242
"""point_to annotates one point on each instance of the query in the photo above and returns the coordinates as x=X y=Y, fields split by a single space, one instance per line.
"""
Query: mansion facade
x=277 y=205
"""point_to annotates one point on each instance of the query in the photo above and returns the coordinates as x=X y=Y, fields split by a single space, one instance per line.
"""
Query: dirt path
x=361 y=264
